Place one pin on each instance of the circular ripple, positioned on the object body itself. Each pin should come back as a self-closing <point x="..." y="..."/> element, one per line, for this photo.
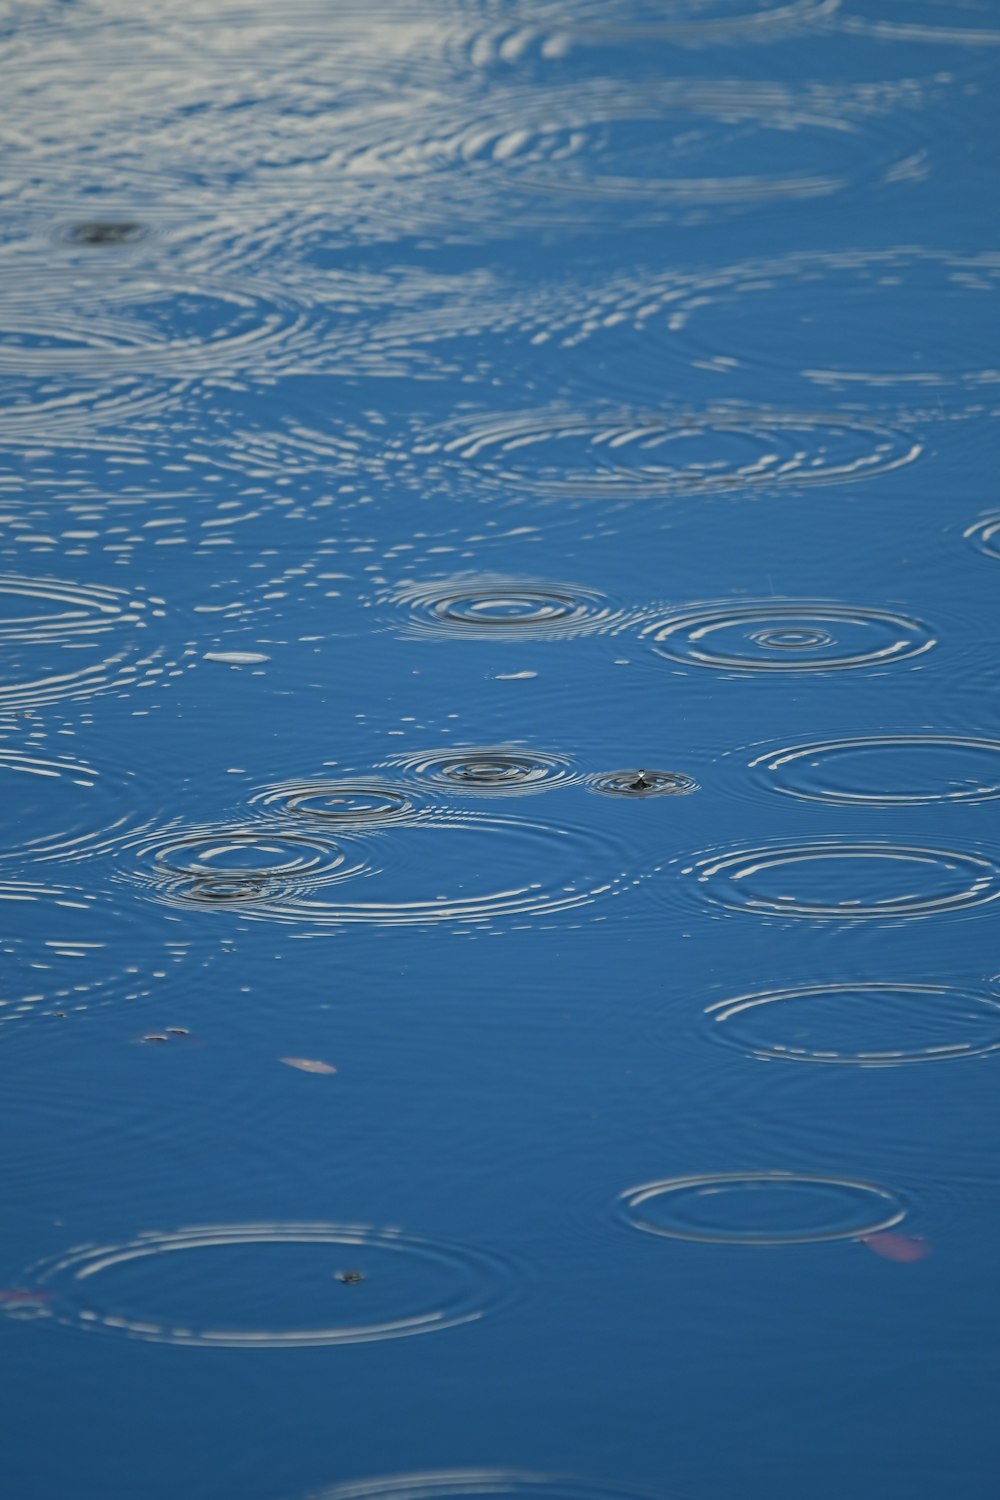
<point x="58" y="806"/>
<point x="941" y="22"/>
<point x="761" y="1208"/>
<point x="862" y="1025"/>
<point x="616" y="456"/>
<point x="985" y="536"/>
<point x="641" y="783"/>
<point x="67" y="950"/>
<point x="225" y="866"/>
<point x="458" y="1484"/>
<point x="410" y="1286"/>
<point x="886" y="770"/>
<point x="490" y="607"/>
<point x="666" y="146"/>
<point x="77" y="321"/>
<point x="846" y="881"/>
<point x="490" y="770"/>
<point x="52" y="409"/>
<point x="786" y="635"/>
<point x="328" y="800"/>
<point x="892" y="320"/>
<point x="64" y="640"/>
<point x="458" y="868"/>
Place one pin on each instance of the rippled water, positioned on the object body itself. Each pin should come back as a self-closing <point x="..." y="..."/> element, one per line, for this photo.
<point x="500" y="749"/>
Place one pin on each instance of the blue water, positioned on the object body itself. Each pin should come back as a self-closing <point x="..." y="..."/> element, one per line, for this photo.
<point x="500" y="740"/>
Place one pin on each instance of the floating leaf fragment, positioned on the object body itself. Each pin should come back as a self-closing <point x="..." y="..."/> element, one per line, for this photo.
<point x="904" y="1248"/>
<point x="308" y="1064"/>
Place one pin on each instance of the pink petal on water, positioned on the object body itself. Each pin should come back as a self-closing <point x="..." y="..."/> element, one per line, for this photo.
<point x="308" y="1064"/>
<point x="904" y="1248"/>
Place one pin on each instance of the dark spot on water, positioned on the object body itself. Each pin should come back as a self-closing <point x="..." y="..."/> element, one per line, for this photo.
<point x="349" y="1278"/>
<point x="642" y="783"/>
<point x="107" y="232"/>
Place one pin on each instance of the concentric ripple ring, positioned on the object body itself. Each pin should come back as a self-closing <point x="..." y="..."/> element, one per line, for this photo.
<point x="744" y="880"/>
<point x="848" y="1208"/>
<point x="785" y="635"/>
<point x="488" y="770"/>
<point x="475" y="1282"/>
<point x="906" y="1023"/>
<point x="336" y="801"/>
<point x="806" y="770"/>
<point x="491" y="607"/>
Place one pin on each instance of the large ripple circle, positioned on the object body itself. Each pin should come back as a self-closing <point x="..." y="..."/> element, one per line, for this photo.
<point x="460" y="868"/>
<point x="201" y="1287"/>
<point x="633" y="454"/>
<point x="864" y="1025"/>
<point x="761" y="1208"/>
<point x="786" y="635"/>
<point x="836" y="879"/>
<point x="896" y="770"/>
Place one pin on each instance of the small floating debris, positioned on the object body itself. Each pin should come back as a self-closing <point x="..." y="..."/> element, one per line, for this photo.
<point x="107" y="232"/>
<point x="902" y="1248"/>
<point x="237" y="658"/>
<point x="308" y="1064"/>
<point x="349" y="1278"/>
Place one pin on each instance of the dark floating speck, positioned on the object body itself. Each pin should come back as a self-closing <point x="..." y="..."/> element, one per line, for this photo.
<point x="107" y="232"/>
<point x="642" y="783"/>
<point x="350" y="1278"/>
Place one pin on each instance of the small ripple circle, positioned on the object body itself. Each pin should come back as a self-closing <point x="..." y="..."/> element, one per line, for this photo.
<point x="330" y="800"/>
<point x="488" y="770"/>
<point x="761" y="1208"/>
<point x="864" y="1025"/>
<point x="985" y="536"/>
<point x="642" y="783"/>
<point x="397" y="1285"/>
<point x="490" y="607"/>
<point x="786" y="635"/>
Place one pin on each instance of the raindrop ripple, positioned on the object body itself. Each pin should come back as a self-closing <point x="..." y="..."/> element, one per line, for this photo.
<point x="720" y="1208"/>
<point x="962" y="769"/>
<point x="464" y="1285"/>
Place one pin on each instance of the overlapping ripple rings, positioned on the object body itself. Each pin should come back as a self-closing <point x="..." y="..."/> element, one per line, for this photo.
<point x="69" y="640"/>
<point x="328" y="799"/>
<point x="239" y="865"/>
<point x="786" y="635"/>
<point x="457" y="1484"/>
<point x="837" y="879"/>
<point x="487" y="770"/>
<point x="617" y="455"/>
<point x="896" y="770"/>
<point x="493" y="607"/>
<point x="461" y="868"/>
<point x="144" y="322"/>
<point x="761" y="1208"/>
<point x="866" y="1025"/>
<point x="158" y="1282"/>
<point x="653" y="149"/>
